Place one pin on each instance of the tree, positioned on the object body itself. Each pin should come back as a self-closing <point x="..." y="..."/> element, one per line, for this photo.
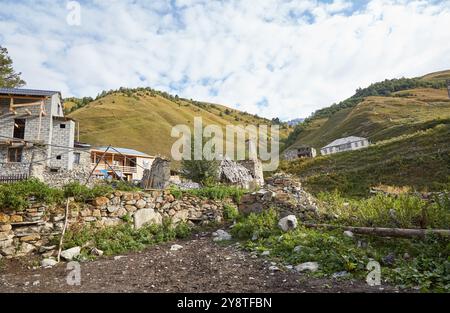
<point x="200" y="171"/>
<point x="8" y="77"/>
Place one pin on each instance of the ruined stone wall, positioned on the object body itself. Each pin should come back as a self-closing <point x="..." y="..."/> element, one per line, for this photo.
<point x="34" y="229"/>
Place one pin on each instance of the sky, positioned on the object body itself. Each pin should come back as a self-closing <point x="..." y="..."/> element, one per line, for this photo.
<point x="274" y="58"/>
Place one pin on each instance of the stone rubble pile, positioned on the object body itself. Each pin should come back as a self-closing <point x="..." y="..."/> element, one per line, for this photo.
<point x="285" y="194"/>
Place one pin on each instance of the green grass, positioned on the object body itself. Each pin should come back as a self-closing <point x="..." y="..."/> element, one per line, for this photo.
<point x="427" y="265"/>
<point x="420" y="160"/>
<point x="123" y="238"/>
<point x="17" y="196"/>
<point x="219" y="192"/>
<point x="400" y="211"/>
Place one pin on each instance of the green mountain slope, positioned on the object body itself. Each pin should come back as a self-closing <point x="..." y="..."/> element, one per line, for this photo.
<point x="383" y="110"/>
<point x="142" y="119"/>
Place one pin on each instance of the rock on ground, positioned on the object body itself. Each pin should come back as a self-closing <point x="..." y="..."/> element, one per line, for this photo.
<point x="71" y="253"/>
<point x="221" y="235"/>
<point x="307" y="266"/>
<point x="287" y="223"/>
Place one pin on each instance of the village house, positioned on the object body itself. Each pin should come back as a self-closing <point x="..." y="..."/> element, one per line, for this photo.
<point x="300" y="152"/>
<point x="120" y="163"/>
<point x="345" y="144"/>
<point x="36" y="139"/>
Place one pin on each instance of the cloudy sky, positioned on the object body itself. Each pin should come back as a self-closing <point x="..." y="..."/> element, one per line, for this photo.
<point x="282" y="58"/>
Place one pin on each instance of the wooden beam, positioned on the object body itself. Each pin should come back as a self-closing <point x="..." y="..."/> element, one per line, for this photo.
<point x="22" y="97"/>
<point x="26" y="105"/>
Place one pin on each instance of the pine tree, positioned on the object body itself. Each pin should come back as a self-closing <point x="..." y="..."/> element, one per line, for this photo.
<point x="8" y="77"/>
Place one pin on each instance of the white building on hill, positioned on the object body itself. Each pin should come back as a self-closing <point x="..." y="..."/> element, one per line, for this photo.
<point x="345" y="144"/>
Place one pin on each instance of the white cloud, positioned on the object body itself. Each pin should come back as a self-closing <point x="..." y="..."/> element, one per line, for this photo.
<point x="298" y="55"/>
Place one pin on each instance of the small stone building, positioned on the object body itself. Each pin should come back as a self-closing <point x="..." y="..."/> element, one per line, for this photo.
<point x="36" y="139"/>
<point x="300" y="152"/>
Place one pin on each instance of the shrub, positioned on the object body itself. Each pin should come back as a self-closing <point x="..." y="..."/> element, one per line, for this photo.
<point x="260" y="225"/>
<point x="83" y="193"/>
<point x="16" y="196"/>
<point x="230" y="212"/>
<point x="219" y="192"/>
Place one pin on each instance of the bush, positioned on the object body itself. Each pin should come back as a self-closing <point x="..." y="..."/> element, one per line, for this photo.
<point x="260" y="225"/>
<point x="220" y="192"/>
<point x="16" y="196"/>
<point x="230" y="213"/>
<point x="83" y="193"/>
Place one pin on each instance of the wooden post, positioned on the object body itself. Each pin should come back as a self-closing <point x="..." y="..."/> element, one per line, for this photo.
<point x="40" y="120"/>
<point x="64" y="230"/>
<point x="96" y="164"/>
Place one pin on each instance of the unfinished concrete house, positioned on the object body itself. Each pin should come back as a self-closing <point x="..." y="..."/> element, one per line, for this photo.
<point x="299" y="152"/>
<point x="36" y="139"/>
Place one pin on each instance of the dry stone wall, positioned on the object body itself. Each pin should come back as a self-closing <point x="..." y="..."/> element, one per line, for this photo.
<point x="32" y="230"/>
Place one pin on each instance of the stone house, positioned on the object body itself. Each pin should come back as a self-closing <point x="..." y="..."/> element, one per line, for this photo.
<point x="36" y="139"/>
<point x="299" y="152"/>
<point x="345" y="144"/>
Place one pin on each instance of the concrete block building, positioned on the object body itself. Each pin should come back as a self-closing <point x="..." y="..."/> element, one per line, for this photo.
<point x="35" y="132"/>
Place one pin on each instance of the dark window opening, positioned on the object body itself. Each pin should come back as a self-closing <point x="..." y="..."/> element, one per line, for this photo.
<point x="58" y="157"/>
<point x="62" y="125"/>
<point x="19" y="129"/>
<point x="15" y="155"/>
<point x="54" y="170"/>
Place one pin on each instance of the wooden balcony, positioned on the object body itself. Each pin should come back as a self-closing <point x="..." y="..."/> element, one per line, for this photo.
<point x="117" y="168"/>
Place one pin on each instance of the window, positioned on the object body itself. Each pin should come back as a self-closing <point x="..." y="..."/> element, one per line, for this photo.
<point x="15" y="155"/>
<point x="62" y="125"/>
<point x="76" y="158"/>
<point x="356" y="144"/>
<point x="19" y="129"/>
<point x="58" y="157"/>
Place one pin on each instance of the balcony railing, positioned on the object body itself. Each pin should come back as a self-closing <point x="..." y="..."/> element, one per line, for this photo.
<point x="117" y="168"/>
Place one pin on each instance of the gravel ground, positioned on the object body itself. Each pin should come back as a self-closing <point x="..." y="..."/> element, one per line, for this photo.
<point x="201" y="266"/>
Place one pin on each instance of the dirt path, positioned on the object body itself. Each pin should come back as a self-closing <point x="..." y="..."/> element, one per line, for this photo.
<point x="201" y="266"/>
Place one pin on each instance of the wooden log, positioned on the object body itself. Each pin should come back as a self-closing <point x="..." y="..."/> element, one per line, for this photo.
<point x="385" y="232"/>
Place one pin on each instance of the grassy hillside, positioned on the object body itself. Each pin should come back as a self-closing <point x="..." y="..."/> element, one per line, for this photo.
<point x="381" y="111"/>
<point x="420" y="160"/>
<point x="142" y="119"/>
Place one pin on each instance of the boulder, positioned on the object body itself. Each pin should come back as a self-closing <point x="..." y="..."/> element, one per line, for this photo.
<point x="307" y="266"/>
<point x="287" y="223"/>
<point x="146" y="216"/>
<point x="5" y="228"/>
<point x="32" y="237"/>
<point x="16" y="219"/>
<point x="221" y="235"/>
<point x="71" y="253"/>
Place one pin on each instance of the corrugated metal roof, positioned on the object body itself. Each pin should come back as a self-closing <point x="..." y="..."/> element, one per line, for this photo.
<point x="27" y="92"/>
<point x="125" y="151"/>
<point x="342" y="141"/>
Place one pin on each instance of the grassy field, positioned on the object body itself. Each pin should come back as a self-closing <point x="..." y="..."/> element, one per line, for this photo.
<point x="420" y="160"/>
<point x="143" y="121"/>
